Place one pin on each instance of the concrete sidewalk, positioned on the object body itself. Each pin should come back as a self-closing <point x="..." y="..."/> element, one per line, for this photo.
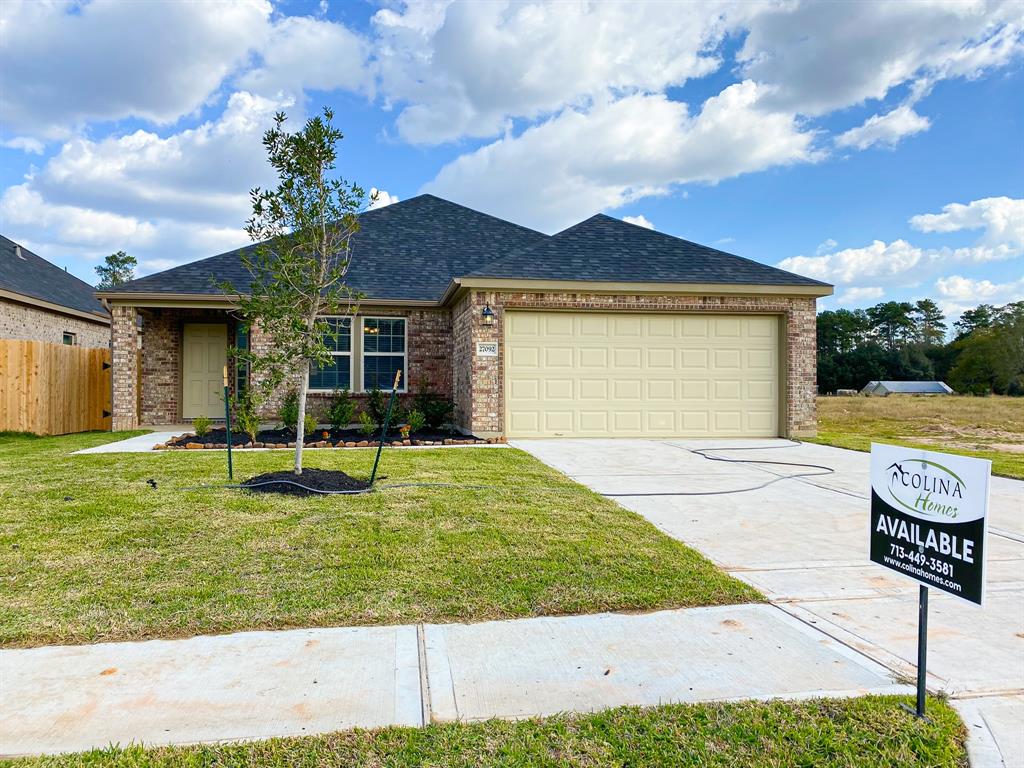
<point x="255" y="685"/>
<point x="802" y="541"/>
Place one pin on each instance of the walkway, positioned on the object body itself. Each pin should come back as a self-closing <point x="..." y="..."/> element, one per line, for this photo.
<point x="254" y="685"/>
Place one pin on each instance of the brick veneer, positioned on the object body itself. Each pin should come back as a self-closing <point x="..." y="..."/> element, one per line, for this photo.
<point x="428" y="359"/>
<point x="479" y="389"/>
<point x="23" y="321"/>
<point x="124" y="334"/>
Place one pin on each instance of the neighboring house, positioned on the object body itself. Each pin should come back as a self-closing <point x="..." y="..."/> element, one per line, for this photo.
<point x="40" y="301"/>
<point x="884" y="388"/>
<point x="604" y="329"/>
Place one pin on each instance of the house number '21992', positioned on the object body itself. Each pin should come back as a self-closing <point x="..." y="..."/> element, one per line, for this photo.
<point x="487" y="349"/>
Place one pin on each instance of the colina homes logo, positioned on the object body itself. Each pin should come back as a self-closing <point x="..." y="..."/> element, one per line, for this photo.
<point x="926" y="488"/>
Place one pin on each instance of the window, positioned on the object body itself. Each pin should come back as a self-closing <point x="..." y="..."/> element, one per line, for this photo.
<point x="338" y="373"/>
<point x="71" y="339"/>
<point x="383" y="352"/>
<point x="241" y="366"/>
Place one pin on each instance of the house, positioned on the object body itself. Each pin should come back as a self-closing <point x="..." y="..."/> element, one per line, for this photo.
<point x="40" y="301"/>
<point x="885" y="388"/>
<point x="604" y="329"/>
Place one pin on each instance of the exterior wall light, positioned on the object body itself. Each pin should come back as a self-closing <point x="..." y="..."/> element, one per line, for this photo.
<point x="487" y="314"/>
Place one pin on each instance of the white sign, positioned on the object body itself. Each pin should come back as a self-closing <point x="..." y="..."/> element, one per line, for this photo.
<point x="928" y="517"/>
<point x="487" y="349"/>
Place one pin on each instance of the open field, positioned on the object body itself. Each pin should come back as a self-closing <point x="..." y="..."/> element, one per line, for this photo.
<point x="986" y="427"/>
<point x="868" y="732"/>
<point x="90" y="552"/>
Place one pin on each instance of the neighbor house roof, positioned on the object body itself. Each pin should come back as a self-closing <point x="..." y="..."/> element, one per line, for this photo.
<point x="415" y="249"/>
<point x="606" y="249"/>
<point x="910" y="387"/>
<point x="28" y="277"/>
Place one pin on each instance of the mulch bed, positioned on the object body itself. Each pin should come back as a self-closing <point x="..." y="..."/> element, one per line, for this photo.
<point x="306" y="484"/>
<point x="333" y="438"/>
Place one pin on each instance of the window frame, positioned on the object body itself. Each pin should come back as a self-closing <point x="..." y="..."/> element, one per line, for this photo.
<point x="351" y="355"/>
<point x="363" y="354"/>
<point x="65" y="335"/>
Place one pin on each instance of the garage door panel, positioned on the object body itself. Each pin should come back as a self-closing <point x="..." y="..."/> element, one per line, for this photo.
<point x="635" y="375"/>
<point x="593" y="389"/>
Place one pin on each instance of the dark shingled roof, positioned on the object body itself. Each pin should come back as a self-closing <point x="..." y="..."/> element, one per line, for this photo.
<point x="413" y="249"/>
<point x="606" y="249"/>
<point x="32" y="275"/>
<point x="407" y="250"/>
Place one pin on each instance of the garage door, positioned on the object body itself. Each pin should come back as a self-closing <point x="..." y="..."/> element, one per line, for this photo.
<point x="641" y="375"/>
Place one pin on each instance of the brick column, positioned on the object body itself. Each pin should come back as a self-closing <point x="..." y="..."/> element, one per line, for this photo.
<point x="124" y="335"/>
<point x="802" y="369"/>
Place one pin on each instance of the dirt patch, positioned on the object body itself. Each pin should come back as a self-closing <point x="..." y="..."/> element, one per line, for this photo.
<point x="312" y="482"/>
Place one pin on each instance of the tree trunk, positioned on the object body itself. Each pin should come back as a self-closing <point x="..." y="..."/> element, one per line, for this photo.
<point x="300" y="426"/>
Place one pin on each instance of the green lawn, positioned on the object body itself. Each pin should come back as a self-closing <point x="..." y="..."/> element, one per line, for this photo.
<point x="987" y="427"/>
<point x="826" y="733"/>
<point x="89" y="552"/>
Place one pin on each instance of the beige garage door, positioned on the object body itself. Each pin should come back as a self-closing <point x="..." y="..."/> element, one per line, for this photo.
<point x="632" y="375"/>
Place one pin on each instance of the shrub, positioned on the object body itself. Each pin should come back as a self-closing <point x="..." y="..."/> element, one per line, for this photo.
<point x="377" y="406"/>
<point x="341" y="410"/>
<point x="290" y="410"/>
<point x="309" y="425"/>
<point x="366" y="425"/>
<point x="201" y="425"/>
<point x="247" y="408"/>
<point x="437" y="411"/>
<point x="416" y="420"/>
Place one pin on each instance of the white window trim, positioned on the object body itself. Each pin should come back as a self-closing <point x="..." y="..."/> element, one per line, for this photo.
<point x="363" y="354"/>
<point x="351" y="355"/>
<point x="74" y="338"/>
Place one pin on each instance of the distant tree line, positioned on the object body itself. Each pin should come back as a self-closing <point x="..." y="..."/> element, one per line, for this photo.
<point x="903" y="341"/>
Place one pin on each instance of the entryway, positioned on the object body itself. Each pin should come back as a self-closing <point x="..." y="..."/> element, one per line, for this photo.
<point x="204" y="355"/>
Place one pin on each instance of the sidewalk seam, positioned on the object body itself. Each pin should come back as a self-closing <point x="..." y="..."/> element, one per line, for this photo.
<point x="421" y="648"/>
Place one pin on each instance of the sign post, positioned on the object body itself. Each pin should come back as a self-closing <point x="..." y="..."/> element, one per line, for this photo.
<point x="929" y="516"/>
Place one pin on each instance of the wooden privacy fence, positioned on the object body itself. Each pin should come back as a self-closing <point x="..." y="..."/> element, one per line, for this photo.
<point x="53" y="389"/>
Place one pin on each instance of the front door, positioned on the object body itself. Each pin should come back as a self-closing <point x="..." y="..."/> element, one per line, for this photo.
<point x="204" y="355"/>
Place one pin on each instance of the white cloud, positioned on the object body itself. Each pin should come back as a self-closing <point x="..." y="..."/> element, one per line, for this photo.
<point x="466" y="69"/>
<point x="66" y="63"/>
<point x="25" y="144"/>
<point x="1002" y="218"/>
<point x="906" y="264"/>
<point x="826" y="56"/>
<point x="304" y="53"/>
<point x="825" y="246"/>
<point x="859" y="296"/>
<point x="379" y="198"/>
<point x="957" y="293"/>
<point x="887" y="129"/>
<point x="580" y="162"/>
<point x="167" y="200"/>
<point x="964" y="289"/>
<point x="640" y="221"/>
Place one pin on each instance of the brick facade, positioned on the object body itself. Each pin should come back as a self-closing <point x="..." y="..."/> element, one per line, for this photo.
<point x="479" y="391"/>
<point x="158" y="364"/>
<point x="24" y="321"/>
<point x="441" y="353"/>
<point x="124" y="333"/>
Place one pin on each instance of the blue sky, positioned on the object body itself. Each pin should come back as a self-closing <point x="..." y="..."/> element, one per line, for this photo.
<point x="873" y="145"/>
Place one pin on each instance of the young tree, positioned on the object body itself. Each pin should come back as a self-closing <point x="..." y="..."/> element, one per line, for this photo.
<point x="303" y="230"/>
<point x="931" y="326"/>
<point x="117" y="269"/>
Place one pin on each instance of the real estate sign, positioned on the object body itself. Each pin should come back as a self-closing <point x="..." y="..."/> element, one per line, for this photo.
<point x="928" y="518"/>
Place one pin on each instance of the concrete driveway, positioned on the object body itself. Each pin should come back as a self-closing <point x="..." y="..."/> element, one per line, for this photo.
<point x="803" y="541"/>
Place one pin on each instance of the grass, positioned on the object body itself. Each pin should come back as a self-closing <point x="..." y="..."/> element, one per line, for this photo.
<point x="827" y="733"/>
<point x="90" y="552"/>
<point x="987" y="427"/>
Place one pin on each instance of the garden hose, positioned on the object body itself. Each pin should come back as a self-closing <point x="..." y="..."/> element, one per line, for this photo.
<point x="702" y="452"/>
